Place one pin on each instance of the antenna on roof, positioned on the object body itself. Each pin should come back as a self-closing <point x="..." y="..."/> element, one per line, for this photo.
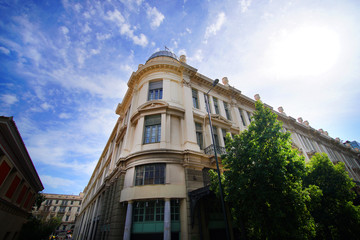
<point x="166" y="48"/>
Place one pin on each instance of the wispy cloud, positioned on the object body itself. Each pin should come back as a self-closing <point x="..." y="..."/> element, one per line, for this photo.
<point x="4" y="50"/>
<point x="56" y="182"/>
<point x="215" y="27"/>
<point x="154" y="15"/>
<point x="125" y="28"/>
<point x="9" y="99"/>
<point x="245" y="4"/>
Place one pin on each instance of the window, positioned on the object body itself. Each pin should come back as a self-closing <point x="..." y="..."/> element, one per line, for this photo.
<point x="72" y="202"/>
<point x="195" y="98"/>
<point x="69" y="209"/>
<point x="155" y="90"/>
<point x="57" y="201"/>
<point x="249" y="116"/>
<point x="78" y="209"/>
<point x="224" y="134"/>
<point x="4" y="170"/>
<point x="175" y="210"/>
<point x="216" y="137"/>
<point x="227" y="110"/>
<point x="199" y="135"/>
<point x="242" y="117"/>
<point x="13" y="187"/>
<point x="152" y="132"/>
<point x="64" y="202"/>
<point x="150" y="174"/>
<point x="67" y="218"/>
<point x="150" y="211"/>
<point x="62" y="210"/>
<point x="216" y="105"/>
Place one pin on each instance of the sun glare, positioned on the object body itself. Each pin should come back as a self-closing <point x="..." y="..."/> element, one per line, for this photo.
<point x="305" y="51"/>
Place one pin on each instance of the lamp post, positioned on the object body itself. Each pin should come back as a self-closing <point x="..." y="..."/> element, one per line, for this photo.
<point x="216" y="160"/>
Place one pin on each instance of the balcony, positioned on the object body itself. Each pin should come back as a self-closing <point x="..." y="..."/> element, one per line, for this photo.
<point x="209" y="150"/>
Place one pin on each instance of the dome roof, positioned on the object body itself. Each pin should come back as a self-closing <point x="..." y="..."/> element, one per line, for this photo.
<point x="163" y="53"/>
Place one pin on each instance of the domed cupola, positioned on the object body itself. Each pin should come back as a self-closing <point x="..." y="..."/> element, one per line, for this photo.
<point x="163" y="53"/>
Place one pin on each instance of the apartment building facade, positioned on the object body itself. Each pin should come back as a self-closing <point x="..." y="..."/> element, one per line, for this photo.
<point x="151" y="181"/>
<point x="65" y="207"/>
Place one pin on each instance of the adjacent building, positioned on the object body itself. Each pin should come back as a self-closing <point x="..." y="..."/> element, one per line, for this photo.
<point x="19" y="181"/>
<point x="65" y="207"/>
<point x="151" y="180"/>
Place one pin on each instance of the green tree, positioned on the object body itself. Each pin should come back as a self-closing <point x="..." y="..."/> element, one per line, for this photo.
<point x="336" y="217"/>
<point x="36" y="229"/>
<point x="263" y="181"/>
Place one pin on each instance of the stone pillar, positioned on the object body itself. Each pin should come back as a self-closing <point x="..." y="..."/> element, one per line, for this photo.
<point x="167" y="220"/>
<point x="127" y="230"/>
<point x="189" y="131"/>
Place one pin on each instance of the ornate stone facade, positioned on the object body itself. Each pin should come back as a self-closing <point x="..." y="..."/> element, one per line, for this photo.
<point x="151" y="179"/>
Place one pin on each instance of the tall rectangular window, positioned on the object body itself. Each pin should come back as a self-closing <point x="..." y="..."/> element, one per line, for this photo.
<point x="227" y="110"/>
<point x="224" y="134"/>
<point x="216" y="105"/>
<point x="242" y="117"/>
<point x="249" y="115"/>
<point x="199" y="135"/>
<point x="152" y="130"/>
<point x="195" y="98"/>
<point x="155" y="90"/>
<point x="150" y="174"/>
<point x="13" y="186"/>
<point x="4" y="170"/>
<point x="216" y="137"/>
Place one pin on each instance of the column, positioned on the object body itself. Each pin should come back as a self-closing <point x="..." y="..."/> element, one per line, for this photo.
<point x="167" y="220"/>
<point x="189" y="131"/>
<point x="128" y="221"/>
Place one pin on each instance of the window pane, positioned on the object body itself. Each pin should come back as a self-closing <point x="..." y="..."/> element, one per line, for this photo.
<point x="150" y="174"/>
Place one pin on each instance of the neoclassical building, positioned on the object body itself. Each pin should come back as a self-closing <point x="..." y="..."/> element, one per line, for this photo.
<point x="151" y="181"/>
<point x="19" y="181"/>
<point x="65" y="207"/>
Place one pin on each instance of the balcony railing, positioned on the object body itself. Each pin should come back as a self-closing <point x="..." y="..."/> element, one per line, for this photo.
<point x="210" y="150"/>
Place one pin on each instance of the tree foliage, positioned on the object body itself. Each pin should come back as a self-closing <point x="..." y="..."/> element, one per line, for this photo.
<point x="36" y="229"/>
<point x="263" y="181"/>
<point x="336" y="217"/>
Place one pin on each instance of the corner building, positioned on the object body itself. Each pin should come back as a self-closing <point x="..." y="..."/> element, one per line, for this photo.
<point x="151" y="181"/>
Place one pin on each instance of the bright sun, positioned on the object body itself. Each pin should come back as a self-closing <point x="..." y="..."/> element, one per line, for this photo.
<point x="306" y="50"/>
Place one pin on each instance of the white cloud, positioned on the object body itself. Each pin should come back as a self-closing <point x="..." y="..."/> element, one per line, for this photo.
<point x="182" y="52"/>
<point x="87" y="28"/>
<point x="125" y="28"/>
<point x="155" y="16"/>
<point x="9" y="99"/>
<point x="197" y="57"/>
<point x="56" y="182"/>
<point x="4" y="50"/>
<point x="64" y="115"/>
<point x="245" y="4"/>
<point x="77" y="7"/>
<point x="215" y="27"/>
<point x="46" y="106"/>
<point x="101" y="37"/>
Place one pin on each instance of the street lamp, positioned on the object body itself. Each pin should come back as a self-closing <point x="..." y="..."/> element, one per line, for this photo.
<point x="216" y="160"/>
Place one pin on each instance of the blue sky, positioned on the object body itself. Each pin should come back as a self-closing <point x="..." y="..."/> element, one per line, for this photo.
<point x="65" y="65"/>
